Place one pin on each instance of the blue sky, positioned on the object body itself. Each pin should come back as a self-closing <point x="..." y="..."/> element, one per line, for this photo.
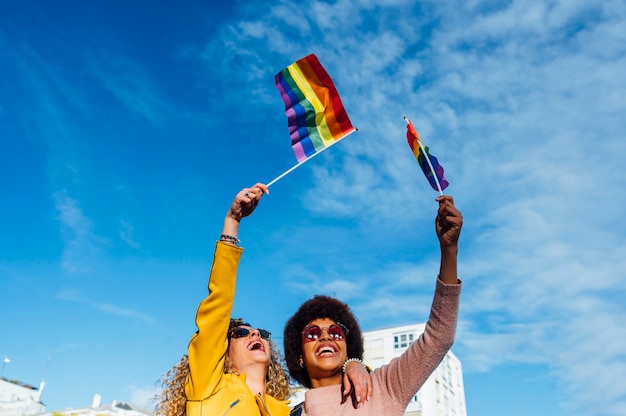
<point x="127" y="127"/>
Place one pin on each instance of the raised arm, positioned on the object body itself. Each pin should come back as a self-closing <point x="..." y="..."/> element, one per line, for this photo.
<point x="448" y="226"/>
<point x="208" y="346"/>
<point x="405" y="375"/>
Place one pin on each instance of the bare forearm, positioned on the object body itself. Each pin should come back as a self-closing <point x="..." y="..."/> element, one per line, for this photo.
<point x="448" y="267"/>
<point x="231" y="226"/>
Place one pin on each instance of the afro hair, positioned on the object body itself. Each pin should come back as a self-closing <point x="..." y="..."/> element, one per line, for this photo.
<point x="318" y="307"/>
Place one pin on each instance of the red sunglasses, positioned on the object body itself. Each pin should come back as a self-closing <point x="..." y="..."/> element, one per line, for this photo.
<point x="336" y="331"/>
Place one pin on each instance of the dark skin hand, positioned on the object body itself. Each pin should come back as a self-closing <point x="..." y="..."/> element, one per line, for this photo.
<point x="448" y="224"/>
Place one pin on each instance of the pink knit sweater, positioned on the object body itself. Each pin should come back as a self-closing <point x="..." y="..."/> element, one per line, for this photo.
<point x="395" y="384"/>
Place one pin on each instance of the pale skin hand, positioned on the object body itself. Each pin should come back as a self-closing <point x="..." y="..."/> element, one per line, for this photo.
<point x="356" y="375"/>
<point x="242" y="206"/>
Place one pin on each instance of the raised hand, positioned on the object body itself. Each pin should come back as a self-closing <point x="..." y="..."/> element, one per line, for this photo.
<point x="244" y="204"/>
<point x="448" y="222"/>
<point x="246" y="201"/>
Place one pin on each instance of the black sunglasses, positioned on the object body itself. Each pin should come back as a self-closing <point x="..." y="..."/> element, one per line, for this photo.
<point x="240" y="332"/>
<point x="336" y="331"/>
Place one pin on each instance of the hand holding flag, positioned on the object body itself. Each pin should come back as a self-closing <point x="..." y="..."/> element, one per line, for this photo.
<point x="429" y="163"/>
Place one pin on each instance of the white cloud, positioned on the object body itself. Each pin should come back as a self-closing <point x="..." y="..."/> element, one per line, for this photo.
<point x="520" y="104"/>
<point x="106" y="307"/>
<point x="144" y="397"/>
<point x="81" y="245"/>
<point x="129" y="84"/>
<point x="127" y="232"/>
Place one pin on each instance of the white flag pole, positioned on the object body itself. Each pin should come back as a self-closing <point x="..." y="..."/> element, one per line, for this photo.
<point x="282" y="175"/>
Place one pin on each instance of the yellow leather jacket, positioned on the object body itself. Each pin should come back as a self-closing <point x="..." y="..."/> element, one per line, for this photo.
<point x="209" y="391"/>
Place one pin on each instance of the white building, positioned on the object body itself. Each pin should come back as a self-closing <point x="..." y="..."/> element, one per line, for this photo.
<point x="443" y="393"/>
<point x="98" y="409"/>
<point x="20" y="399"/>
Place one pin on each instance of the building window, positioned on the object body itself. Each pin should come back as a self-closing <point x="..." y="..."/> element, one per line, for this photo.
<point x="401" y="341"/>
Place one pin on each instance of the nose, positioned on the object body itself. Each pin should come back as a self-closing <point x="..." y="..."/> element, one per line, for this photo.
<point x="254" y="333"/>
<point x="327" y="336"/>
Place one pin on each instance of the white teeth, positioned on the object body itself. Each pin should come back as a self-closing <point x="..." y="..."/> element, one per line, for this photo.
<point x="256" y="346"/>
<point x="326" y="350"/>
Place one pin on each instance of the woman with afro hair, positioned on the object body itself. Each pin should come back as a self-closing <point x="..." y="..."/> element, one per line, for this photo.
<point x="324" y="335"/>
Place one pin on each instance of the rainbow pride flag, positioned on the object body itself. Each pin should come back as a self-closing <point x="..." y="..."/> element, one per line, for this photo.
<point x="315" y="114"/>
<point x="429" y="163"/>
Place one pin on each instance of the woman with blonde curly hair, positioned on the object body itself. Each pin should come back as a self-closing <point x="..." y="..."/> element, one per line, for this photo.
<point x="231" y="368"/>
<point x="173" y="400"/>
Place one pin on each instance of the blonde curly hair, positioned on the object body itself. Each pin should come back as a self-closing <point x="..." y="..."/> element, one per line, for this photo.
<point x="173" y="401"/>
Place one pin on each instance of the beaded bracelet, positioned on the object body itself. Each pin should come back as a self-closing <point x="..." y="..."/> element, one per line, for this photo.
<point x="349" y="360"/>
<point x="230" y="239"/>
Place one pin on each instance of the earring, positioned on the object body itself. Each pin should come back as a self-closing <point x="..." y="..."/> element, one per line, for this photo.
<point x="301" y="363"/>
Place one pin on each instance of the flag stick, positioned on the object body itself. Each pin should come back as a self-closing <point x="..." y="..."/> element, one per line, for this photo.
<point x="431" y="167"/>
<point x="307" y="159"/>
<point x="427" y="160"/>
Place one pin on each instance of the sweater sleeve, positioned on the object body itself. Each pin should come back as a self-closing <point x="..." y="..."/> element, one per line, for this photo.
<point x="405" y="375"/>
<point x="208" y="345"/>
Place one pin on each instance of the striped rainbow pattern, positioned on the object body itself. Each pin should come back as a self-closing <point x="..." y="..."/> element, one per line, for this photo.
<point x="315" y="114"/>
<point x="418" y="151"/>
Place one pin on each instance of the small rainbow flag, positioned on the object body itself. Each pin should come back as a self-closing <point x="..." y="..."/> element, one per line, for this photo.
<point x="315" y="114"/>
<point x="430" y="165"/>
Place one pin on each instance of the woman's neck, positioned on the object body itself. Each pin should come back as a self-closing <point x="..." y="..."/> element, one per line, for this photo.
<point x="327" y="381"/>
<point x="255" y="379"/>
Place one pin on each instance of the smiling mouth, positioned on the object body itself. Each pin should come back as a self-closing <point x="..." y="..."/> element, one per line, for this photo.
<point x="325" y="351"/>
<point x="256" y="345"/>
